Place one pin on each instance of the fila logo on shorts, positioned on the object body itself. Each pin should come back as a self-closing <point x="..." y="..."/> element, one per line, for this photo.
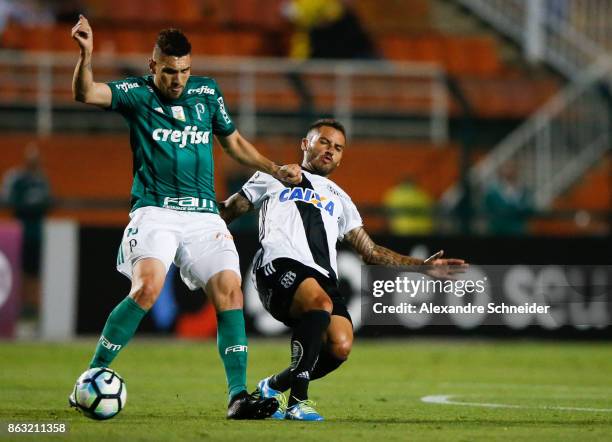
<point x="288" y="279"/>
<point x="236" y="349"/>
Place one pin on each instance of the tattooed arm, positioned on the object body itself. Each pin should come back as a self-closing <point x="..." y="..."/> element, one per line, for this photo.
<point x="372" y="253"/>
<point x="234" y="207"/>
<point x="84" y="89"/>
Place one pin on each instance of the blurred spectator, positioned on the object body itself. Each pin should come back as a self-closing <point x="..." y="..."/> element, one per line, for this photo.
<point x="507" y="203"/>
<point x="28" y="193"/>
<point x="67" y="11"/>
<point x="327" y="29"/>
<point x="410" y="209"/>
<point x="26" y="12"/>
<point x="324" y="29"/>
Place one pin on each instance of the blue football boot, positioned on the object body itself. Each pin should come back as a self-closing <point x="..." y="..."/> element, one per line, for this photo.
<point x="303" y="411"/>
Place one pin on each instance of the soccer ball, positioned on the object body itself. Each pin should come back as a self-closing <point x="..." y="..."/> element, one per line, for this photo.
<point x="100" y="393"/>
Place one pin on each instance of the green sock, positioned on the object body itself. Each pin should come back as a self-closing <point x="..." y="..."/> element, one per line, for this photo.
<point x="232" y="345"/>
<point x="119" y="329"/>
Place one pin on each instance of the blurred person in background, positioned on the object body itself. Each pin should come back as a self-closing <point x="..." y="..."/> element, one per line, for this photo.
<point x="327" y="29"/>
<point x="507" y="203"/>
<point x="324" y="29"/>
<point x="28" y="194"/>
<point x="410" y="209"/>
<point x="65" y="10"/>
<point x="26" y="12"/>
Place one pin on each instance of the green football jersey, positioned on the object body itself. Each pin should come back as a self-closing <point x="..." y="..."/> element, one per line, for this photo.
<point x="172" y="141"/>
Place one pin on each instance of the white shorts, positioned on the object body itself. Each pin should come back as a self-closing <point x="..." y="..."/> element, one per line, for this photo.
<point x="199" y="244"/>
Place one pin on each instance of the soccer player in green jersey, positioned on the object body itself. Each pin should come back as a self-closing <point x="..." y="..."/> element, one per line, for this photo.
<point x="174" y="218"/>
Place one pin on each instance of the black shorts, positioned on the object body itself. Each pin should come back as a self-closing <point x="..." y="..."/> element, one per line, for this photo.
<point x="278" y="281"/>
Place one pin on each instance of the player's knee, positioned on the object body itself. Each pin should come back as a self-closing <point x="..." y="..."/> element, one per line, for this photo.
<point x="320" y="302"/>
<point x="341" y="350"/>
<point x="145" y="293"/>
<point x="224" y="291"/>
<point x="231" y="299"/>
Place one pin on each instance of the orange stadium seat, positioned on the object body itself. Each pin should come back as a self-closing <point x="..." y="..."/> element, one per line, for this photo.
<point x="62" y="41"/>
<point x="428" y="48"/>
<point x="38" y="38"/>
<point x="262" y="14"/>
<point x="487" y="62"/>
<point x="459" y="55"/>
<point x="238" y="43"/>
<point x="129" y="41"/>
<point x="120" y="10"/>
<point x="394" y="16"/>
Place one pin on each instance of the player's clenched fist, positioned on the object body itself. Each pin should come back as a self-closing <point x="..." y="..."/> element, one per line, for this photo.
<point x="82" y="33"/>
<point x="290" y="173"/>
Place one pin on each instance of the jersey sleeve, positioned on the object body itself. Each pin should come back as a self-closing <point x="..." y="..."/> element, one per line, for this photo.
<point x="351" y="219"/>
<point x="221" y="122"/>
<point x="123" y="96"/>
<point x="256" y="189"/>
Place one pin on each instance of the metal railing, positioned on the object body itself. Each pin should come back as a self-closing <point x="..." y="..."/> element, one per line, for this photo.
<point x="569" y="35"/>
<point x="271" y="96"/>
<point x="558" y="143"/>
<point x="564" y="138"/>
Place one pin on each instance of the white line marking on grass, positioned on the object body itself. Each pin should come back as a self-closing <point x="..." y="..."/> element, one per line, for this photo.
<point x="445" y="399"/>
<point x="500" y="386"/>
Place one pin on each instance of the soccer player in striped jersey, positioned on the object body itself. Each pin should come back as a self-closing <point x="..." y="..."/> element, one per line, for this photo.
<point x="172" y="117"/>
<point x="295" y="268"/>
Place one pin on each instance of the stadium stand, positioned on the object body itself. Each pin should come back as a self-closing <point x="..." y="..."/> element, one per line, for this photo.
<point x="497" y="88"/>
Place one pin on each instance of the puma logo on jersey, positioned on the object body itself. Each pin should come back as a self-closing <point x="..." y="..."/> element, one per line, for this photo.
<point x="307" y="196"/>
<point x="125" y="86"/>
<point x="190" y="134"/>
<point x="201" y="90"/>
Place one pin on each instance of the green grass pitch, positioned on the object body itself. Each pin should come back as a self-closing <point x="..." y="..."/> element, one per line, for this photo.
<point x="176" y="392"/>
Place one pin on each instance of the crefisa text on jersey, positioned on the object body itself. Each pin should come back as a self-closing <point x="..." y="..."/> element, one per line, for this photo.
<point x="201" y="90"/>
<point x="192" y="133"/>
<point x="126" y="86"/>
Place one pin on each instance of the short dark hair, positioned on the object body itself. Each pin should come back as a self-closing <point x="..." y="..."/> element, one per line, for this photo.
<point x="173" y="42"/>
<point x="330" y="122"/>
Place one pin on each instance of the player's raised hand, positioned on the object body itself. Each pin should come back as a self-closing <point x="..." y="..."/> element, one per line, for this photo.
<point x="444" y="268"/>
<point x="290" y="173"/>
<point x="83" y="34"/>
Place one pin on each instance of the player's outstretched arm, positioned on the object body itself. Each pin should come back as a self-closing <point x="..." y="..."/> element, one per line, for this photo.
<point x="84" y="89"/>
<point x="245" y="153"/>
<point x="373" y="254"/>
<point x="234" y="207"/>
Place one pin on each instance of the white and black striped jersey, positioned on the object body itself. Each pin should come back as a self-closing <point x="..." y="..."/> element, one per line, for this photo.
<point x="302" y="222"/>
